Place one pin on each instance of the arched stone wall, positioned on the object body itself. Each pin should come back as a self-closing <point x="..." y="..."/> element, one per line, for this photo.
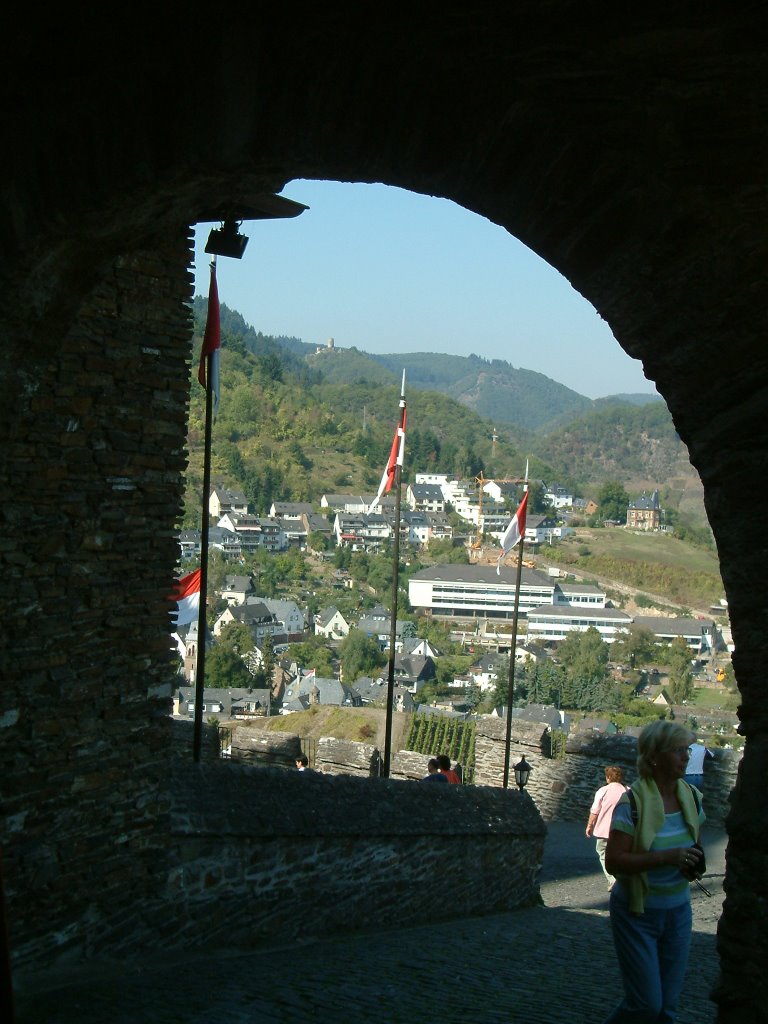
<point x="626" y="148"/>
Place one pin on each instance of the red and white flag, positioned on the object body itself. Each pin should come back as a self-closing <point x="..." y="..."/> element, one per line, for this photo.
<point x="187" y="594"/>
<point x="211" y="342"/>
<point x="514" y="532"/>
<point x="396" y="455"/>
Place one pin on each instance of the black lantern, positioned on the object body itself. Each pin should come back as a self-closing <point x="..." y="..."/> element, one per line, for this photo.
<point x="522" y="771"/>
<point x="227" y="240"/>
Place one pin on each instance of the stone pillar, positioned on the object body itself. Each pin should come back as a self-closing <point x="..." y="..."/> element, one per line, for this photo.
<point x="92" y="467"/>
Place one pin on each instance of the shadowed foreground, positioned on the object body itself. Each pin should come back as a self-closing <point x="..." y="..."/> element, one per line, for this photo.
<point x="552" y="963"/>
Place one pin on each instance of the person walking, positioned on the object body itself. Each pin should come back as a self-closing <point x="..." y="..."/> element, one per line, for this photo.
<point x="601" y="812"/>
<point x="652" y="854"/>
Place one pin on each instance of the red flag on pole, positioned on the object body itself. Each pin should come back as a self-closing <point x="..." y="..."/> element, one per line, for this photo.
<point x="211" y="341"/>
<point x="396" y="455"/>
<point x="187" y="593"/>
<point x="514" y="532"/>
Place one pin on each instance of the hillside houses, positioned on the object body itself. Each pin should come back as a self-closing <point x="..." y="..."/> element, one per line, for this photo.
<point x="377" y="625"/>
<point x="289" y="616"/>
<point x="477" y="596"/>
<point x="413" y="671"/>
<point x="223" y="500"/>
<point x="373" y="693"/>
<point x="233" y="703"/>
<point x="425" y="498"/>
<point x="255" y="615"/>
<point x="331" y="624"/>
<point x="307" y="690"/>
<point x="355" y="504"/>
<point x="559" y="497"/>
<point x="644" y="513"/>
<point x="362" y="532"/>
<point x="254" y="532"/>
<point x="236" y="589"/>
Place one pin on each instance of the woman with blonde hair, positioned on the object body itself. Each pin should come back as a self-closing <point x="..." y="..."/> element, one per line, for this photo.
<point x="651" y="852"/>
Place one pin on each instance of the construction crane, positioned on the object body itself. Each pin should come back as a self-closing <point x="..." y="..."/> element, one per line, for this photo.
<point x="481" y="481"/>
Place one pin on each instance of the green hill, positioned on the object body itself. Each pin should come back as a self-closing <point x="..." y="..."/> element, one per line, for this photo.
<point x="285" y="431"/>
<point x="635" y="444"/>
<point x="494" y="389"/>
<point x="296" y="422"/>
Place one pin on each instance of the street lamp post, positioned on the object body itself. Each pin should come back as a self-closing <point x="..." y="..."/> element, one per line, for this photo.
<point x="522" y="773"/>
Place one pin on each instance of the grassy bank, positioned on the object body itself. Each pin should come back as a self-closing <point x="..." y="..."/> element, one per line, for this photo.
<point x="654" y="563"/>
<point x="365" y="725"/>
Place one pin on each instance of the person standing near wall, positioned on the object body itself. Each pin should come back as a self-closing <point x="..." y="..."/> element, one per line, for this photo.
<point x="697" y="755"/>
<point x="601" y="812"/>
<point x="444" y="764"/>
<point x="651" y="852"/>
<point x="433" y="773"/>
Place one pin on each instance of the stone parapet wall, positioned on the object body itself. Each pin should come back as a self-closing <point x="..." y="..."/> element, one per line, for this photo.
<point x="347" y="757"/>
<point x="563" y="788"/>
<point x="255" y="746"/>
<point x="182" y="740"/>
<point x="408" y="764"/>
<point x="307" y="854"/>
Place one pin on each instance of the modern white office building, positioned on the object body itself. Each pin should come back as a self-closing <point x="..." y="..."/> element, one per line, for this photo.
<point x="477" y="591"/>
<point x="555" y="622"/>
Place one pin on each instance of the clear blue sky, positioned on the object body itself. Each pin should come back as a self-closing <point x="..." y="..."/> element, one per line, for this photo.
<point x="388" y="270"/>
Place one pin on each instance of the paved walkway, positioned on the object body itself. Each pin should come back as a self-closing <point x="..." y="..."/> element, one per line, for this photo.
<point x="552" y="963"/>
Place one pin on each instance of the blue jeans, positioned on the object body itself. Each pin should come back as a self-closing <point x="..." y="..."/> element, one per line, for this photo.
<point x="652" y="950"/>
<point x="695" y="780"/>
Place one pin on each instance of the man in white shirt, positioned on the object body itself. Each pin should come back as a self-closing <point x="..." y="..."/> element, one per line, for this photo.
<point x="694" y="773"/>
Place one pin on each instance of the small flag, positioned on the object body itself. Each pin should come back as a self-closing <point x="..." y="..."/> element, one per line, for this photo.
<point x="187" y="593"/>
<point x="311" y="674"/>
<point x="514" y="532"/>
<point x="211" y="341"/>
<point x="396" y="454"/>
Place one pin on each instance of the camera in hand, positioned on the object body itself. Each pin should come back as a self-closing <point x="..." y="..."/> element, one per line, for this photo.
<point x="701" y="867"/>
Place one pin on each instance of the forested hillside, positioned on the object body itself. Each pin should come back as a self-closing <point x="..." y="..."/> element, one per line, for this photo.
<point x="637" y="445"/>
<point x="284" y="432"/>
<point x="494" y="389"/>
<point x="290" y="426"/>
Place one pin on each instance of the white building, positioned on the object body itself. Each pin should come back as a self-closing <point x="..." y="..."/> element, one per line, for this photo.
<point x="477" y="591"/>
<point x="253" y="532"/>
<point x="557" y="621"/>
<point x="579" y="595"/>
<point x="559" y="497"/>
<point x="223" y="500"/>
<point x="287" y="614"/>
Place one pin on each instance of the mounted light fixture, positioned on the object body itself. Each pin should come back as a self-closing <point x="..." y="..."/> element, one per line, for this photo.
<point x="522" y="773"/>
<point x="227" y="240"/>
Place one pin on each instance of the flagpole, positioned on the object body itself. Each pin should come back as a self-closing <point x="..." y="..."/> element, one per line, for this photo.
<point x="511" y="687"/>
<point x="201" y="616"/>
<point x="521" y="520"/>
<point x="395" y="585"/>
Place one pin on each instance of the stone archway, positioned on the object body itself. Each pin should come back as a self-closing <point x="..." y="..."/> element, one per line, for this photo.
<point x="627" y="150"/>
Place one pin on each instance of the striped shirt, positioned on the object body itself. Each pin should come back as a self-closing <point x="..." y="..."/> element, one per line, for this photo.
<point x="667" y="887"/>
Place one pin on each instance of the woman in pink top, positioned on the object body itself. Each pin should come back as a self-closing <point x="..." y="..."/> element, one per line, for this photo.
<point x="601" y="812"/>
